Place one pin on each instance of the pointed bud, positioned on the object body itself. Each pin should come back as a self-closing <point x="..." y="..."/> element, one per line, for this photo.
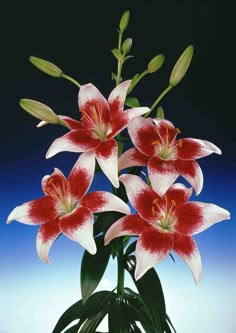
<point x="181" y="66"/>
<point x="124" y="21"/>
<point x="160" y="113"/>
<point x="39" y="111"/>
<point x="46" y="66"/>
<point x="127" y="45"/>
<point x="155" y="63"/>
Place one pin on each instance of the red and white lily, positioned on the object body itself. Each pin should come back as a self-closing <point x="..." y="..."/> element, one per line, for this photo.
<point x="166" y="158"/>
<point x="101" y="121"/>
<point x="163" y="224"/>
<point x="66" y="208"/>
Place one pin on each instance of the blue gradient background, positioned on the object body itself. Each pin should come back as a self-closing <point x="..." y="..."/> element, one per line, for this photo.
<point x="33" y="294"/>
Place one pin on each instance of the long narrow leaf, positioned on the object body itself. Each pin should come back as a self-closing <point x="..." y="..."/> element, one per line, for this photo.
<point x="93" y="268"/>
<point x="71" y="314"/>
<point x="170" y="323"/>
<point x="150" y="289"/>
<point x="73" y="329"/>
<point x="92" y="323"/>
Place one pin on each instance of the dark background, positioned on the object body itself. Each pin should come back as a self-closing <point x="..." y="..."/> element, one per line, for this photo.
<point x="78" y="37"/>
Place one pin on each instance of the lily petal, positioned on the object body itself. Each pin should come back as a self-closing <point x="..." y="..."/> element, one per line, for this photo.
<point x="132" y="157"/>
<point x="81" y="175"/>
<point x="194" y="217"/>
<point x="178" y="193"/>
<point x="192" y="172"/>
<point x="152" y="247"/>
<point x="54" y="182"/>
<point x="162" y="174"/>
<point x="118" y="95"/>
<point x="120" y="120"/>
<point x="194" y="148"/>
<point x="46" y="236"/>
<point x="101" y="201"/>
<point x="42" y="210"/>
<point x="143" y="134"/>
<point x="141" y="196"/>
<point x="71" y="123"/>
<point x="107" y="157"/>
<point x="165" y="129"/>
<point x="131" y="225"/>
<point x="78" y="226"/>
<point x="93" y="103"/>
<point x="76" y="141"/>
<point x="187" y="249"/>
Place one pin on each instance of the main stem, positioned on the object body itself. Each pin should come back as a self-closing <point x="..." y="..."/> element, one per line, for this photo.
<point x="121" y="271"/>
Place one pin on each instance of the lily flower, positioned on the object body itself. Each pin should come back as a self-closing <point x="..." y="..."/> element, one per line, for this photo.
<point x="166" y="158"/>
<point x="163" y="224"/>
<point x="67" y="207"/>
<point x="101" y="121"/>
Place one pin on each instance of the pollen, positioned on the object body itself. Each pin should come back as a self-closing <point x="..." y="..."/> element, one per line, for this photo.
<point x="153" y="211"/>
<point x="154" y="201"/>
<point x="155" y="142"/>
<point x="173" y="202"/>
<point x="178" y="130"/>
<point x="180" y="143"/>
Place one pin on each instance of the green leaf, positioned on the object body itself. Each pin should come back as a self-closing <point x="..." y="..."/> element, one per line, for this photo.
<point x="118" y="316"/>
<point x="93" y="268"/>
<point x="73" y="329"/>
<point x="117" y="54"/>
<point x="134" y="81"/>
<point x="150" y="289"/>
<point x="96" y="303"/>
<point x="72" y="313"/>
<point x="128" y="57"/>
<point x="113" y="76"/>
<point x="131" y="248"/>
<point x="132" y="102"/>
<point x="169" y="322"/>
<point x="105" y="220"/>
<point x="138" y="311"/>
<point x="92" y="323"/>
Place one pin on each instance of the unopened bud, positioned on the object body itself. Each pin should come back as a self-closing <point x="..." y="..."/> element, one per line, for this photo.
<point x="127" y="45"/>
<point x="124" y="21"/>
<point x="155" y="63"/>
<point x="181" y="66"/>
<point x="39" y="111"/>
<point x="46" y="66"/>
<point x="160" y="112"/>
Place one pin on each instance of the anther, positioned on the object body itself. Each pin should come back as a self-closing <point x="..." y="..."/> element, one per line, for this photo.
<point x="178" y="130"/>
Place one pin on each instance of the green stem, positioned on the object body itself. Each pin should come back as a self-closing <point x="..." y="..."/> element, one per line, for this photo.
<point x="169" y="87"/>
<point x="119" y="65"/>
<point x="64" y="76"/>
<point x="138" y="79"/>
<point x="121" y="272"/>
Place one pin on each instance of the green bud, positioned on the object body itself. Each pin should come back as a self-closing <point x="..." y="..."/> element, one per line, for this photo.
<point x="46" y="66"/>
<point x="160" y="112"/>
<point x="39" y="111"/>
<point x="155" y="63"/>
<point x="127" y="45"/>
<point x="181" y="66"/>
<point x="124" y="20"/>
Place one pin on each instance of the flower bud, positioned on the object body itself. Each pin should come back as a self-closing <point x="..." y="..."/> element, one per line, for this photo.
<point x="155" y="63"/>
<point x="46" y="66"/>
<point x="127" y="45"/>
<point x="181" y="66"/>
<point x="39" y="111"/>
<point x="124" y="20"/>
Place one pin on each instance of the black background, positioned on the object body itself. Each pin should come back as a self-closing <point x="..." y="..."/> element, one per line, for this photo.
<point x="78" y="37"/>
